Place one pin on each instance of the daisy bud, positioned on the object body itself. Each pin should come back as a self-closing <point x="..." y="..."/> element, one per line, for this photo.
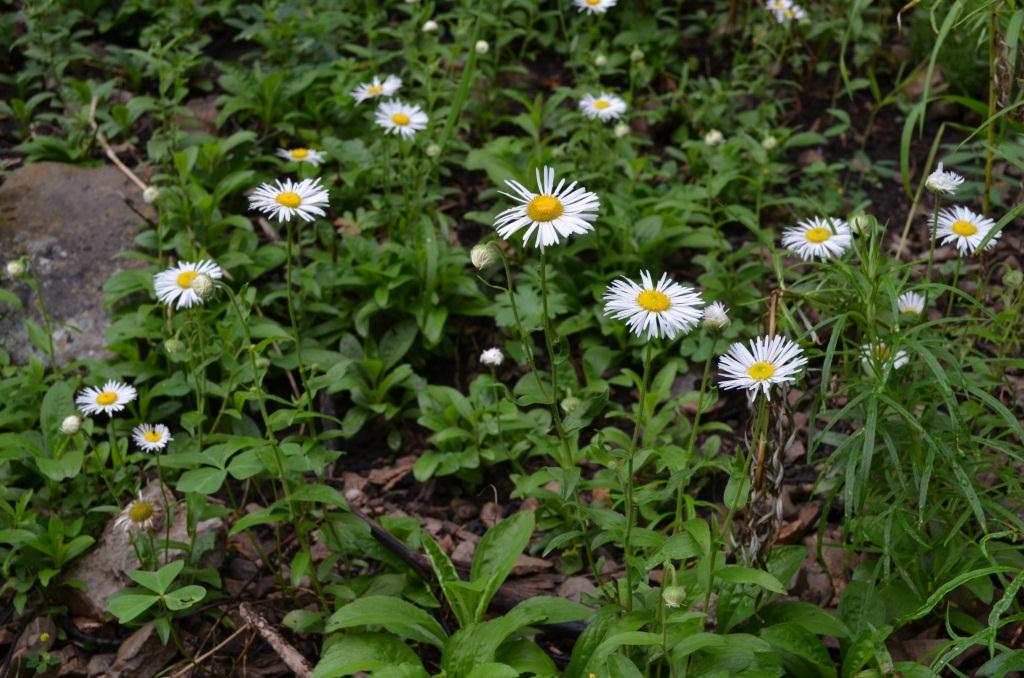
<point x="715" y="316"/>
<point x="1013" y="278"/>
<point x="150" y="195"/>
<point x="570" y="404"/>
<point x="482" y="47"/>
<point x="636" y="55"/>
<point x="673" y="596"/>
<point x="70" y="425"/>
<point x="16" y="268"/>
<point x="262" y="363"/>
<point x="429" y="26"/>
<point x="433" y="150"/>
<point x="483" y="255"/>
<point x="492" y="357"/>
<point x="941" y="181"/>
<point x="174" y="346"/>
<point x="202" y="285"/>
<point x="859" y="222"/>
<point x="600" y="61"/>
<point x="769" y="143"/>
<point x="621" y="130"/>
<point x="714" y="138"/>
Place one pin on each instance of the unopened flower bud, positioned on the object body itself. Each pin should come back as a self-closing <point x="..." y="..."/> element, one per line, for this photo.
<point x="150" y="195"/>
<point x="482" y="47"/>
<point x="429" y="26"/>
<point x="174" y="346"/>
<point x="16" y="268"/>
<point x="202" y="285"/>
<point x="70" y="425"/>
<point x="715" y="316"/>
<point x="483" y="255"/>
<point x="1013" y="278"/>
<point x="769" y="142"/>
<point x="262" y="363"/>
<point x="492" y="357"/>
<point x="636" y="55"/>
<point x="859" y="222"/>
<point x="433" y="150"/>
<point x="714" y="138"/>
<point x="600" y="61"/>
<point x="621" y="130"/>
<point x="570" y="404"/>
<point x="673" y="596"/>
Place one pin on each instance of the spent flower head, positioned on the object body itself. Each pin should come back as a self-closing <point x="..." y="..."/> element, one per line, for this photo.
<point x="138" y="516"/>
<point x="942" y="181"/>
<point x="716" y="316"/>
<point x="492" y="357"/>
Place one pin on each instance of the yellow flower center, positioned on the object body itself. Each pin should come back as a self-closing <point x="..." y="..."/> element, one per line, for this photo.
<point x="818" y="235"/>
<point x="908" y="309"/>
<point x="289" y="199"/>
<point x="653" y="301"/>
<point x="601" y="104"/>
<point x="185" y="279"/>
<point x="964" y="228"/>
<point x="761" y="370"/>
<point x="400" y="119"/>
<point x="140" y="511"/>
<point x="151" y="436"/>
<point x="779" y="4"/>
<point x="544" y="208"/>
<point x="106" y="398"/>
<point x="788" y="13"/>
<point x="374" y="90"/>
<point x="299" y="153"/>
<point x="881" y="352"/>
<point x="593" y="2"/>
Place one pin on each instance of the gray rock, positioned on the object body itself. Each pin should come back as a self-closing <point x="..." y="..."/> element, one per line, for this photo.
<point x="71" y="222"/>
<point x="102" y="571"/>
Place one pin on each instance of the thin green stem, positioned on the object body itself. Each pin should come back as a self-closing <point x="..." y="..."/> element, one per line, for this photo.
<point x="693" y="430"/>
<point x="953" y="289"/>
<point x="549" y="344"/>
<point x="931" y="249"/>
<point x="631" y="453"/>
<point x="168" y="509"/>
<point x="296" y="333"/>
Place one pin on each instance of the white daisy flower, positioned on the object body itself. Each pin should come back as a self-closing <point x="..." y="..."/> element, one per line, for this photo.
<point x="376" y="88"/>
<point x="714" y="138"/>
<point x="151" y="437"/>
<point x="663" y="310"/>
<point x="716" y="316"/>
<point x="555" y="212"/>
<point x="398" y="118"/>
<point x="768" y="361"/>
<point x="307" y="155"/>
<point x="305" y="198"/>
<point x="492" y="357"/>
<point x="785" y="10"/>
<point x="910" y="303"/>
<point x="594" y="6"/>
<point x="817" y="237"/>
<point x="138" y="516"/>
<point x="879" y="355"/>
<point x="941" y="181"/>
<point x="966" y="229"/>
<point x="604" y="106"/>
<point x="111" y="398"/>
<point x="178" y="283"/>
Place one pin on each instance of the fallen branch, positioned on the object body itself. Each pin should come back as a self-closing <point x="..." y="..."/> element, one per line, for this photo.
<point x="288" y="654"/>
<point x="110" y="151"/>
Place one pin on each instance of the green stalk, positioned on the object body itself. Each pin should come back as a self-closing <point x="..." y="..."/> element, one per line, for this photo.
<point x="693" y="431"/>
<point x="463" y="92"/>
<point x="990" y="151"/>
<point x="548" y="334"/>
<point x="168" y="511"/>
<point x="931" y="249"/>
<point x="296" y="334"/>
<point x="638" y="425"/>
<point x="956" y="280"/>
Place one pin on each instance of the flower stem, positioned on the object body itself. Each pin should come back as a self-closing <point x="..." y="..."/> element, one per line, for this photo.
<point x="638" y="425"/>
<point x="296" y="334"/>
<point x="953" y="289"/>
<point x="931" y="249"/>
<point x="548" y="342"/>
<point x="693" y="430"/>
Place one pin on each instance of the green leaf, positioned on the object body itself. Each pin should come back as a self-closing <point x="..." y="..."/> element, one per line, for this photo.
<point x="394" y="614"/>
<point x="68" y="466"/>
<point x="798" y="641"/>
<point x="206" y="480"/>
<point x="810" y="617"/>
<point x="447" y="576"/>
<point x="737" y="574"/>
<point x="493" y="670"/>
<point x="496" y="555"/>
<point x="185" y="597"/>
<point x="161" y="580"/>
<point x="320" y="494"/>
<point x="127" y="606"/>
<point x="354" y="653"/>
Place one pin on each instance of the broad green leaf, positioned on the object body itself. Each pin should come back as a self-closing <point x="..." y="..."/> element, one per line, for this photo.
<point x="496" y="555"/>
<point x="127" y="606"/>
<point x="360" y="652"/>
<point x="737" y="574"/>
<point x="185" y="597"/>
<point x="447" y="576"/>
<point x="394" y="614"/>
